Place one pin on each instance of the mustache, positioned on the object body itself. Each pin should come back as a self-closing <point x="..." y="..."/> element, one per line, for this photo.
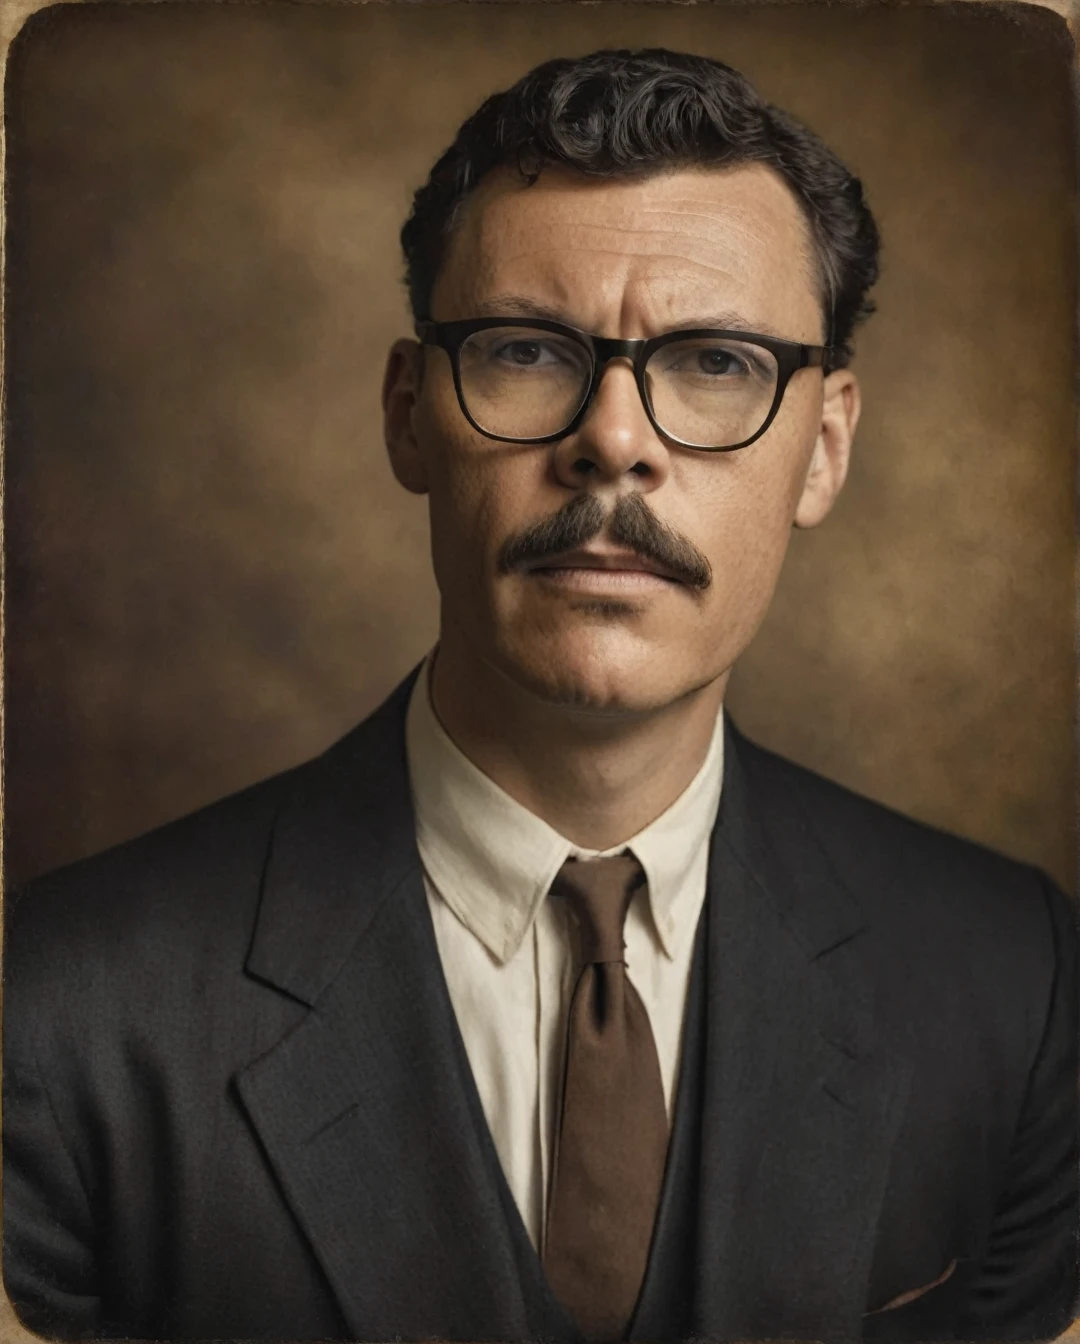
<point x="631" y="524"/>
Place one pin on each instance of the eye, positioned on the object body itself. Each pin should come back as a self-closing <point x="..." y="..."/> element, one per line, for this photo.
<point x="708" y="362"/>
<point x="720" y="361"/>
<point x="526" y="354"/>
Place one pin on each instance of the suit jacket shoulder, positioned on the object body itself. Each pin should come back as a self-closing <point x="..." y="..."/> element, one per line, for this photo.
<point x="905" y="870"/>
<point x="964" y="946"/>
<point x="190" y="886"/>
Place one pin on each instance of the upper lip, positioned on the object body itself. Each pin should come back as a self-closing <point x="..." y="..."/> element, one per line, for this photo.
<point x="589" y="559"/>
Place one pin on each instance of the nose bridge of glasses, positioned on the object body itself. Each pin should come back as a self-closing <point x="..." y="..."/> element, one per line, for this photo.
<point x="608" y="348"/>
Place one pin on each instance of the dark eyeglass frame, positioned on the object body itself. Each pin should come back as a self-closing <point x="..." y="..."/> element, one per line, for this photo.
<point x="790" y="356"/>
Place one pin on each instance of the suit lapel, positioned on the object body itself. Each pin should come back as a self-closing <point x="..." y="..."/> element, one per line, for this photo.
<point x="799" y="1111"/>
<point x="364" y="1109"/>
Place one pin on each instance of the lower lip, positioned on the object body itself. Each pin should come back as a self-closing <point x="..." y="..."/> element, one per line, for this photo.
<point x="605" y="580"/>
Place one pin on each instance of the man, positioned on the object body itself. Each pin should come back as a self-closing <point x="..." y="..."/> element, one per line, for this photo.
<point x="545" y="1005"/>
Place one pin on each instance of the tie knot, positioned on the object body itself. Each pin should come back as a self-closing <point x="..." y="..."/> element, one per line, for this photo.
<point x="599" y="892"/>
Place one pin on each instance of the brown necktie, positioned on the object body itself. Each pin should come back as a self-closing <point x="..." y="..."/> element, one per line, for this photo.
<point x="612" y="1137"/>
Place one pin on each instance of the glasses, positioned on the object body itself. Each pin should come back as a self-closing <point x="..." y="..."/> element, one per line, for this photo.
<point x="533" y="382"/>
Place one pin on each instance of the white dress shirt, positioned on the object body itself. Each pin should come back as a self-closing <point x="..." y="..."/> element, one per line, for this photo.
<point x="507" y="951"/>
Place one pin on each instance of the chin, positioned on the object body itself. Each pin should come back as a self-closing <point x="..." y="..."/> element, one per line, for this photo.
<point x="604" y="674"/>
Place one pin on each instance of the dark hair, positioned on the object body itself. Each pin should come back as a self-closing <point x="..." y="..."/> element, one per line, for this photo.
<point x="635" y="113"/>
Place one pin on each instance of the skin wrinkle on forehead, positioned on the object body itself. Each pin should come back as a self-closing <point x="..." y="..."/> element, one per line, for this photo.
<point x="679" y="316"/>
<point x="662" y="290"/>
<point x="720" y="233"/>
<point x="733" y="228"/>
<point x="654" y="271"/>
<point x="732" y="269"/>
<point x="677" y="288"/>
<point x="652" y="242"/>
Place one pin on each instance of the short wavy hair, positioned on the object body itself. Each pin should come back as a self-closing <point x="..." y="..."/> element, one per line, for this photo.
<point x="622" y="114"/>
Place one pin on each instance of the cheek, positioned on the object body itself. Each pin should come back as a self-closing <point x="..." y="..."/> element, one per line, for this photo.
<point x="473" y="485"/>
<point x="775" y="471"/>
<point x="460" y="510"/>
<point x="746" y="502"/>
<point x="749" y="540"/>
<point x="745" y="514"/>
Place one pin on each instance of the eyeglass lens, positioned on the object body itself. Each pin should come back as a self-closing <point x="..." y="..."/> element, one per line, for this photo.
<point x="521" y="382"/>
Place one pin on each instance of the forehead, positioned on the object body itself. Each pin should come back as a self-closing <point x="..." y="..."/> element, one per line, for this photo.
<point x="637" y="254"/>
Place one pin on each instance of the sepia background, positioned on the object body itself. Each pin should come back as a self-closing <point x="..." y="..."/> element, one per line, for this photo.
<point x="210" y="572"/>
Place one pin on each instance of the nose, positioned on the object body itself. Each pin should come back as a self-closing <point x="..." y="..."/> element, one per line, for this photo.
<point x="615" y="439"/>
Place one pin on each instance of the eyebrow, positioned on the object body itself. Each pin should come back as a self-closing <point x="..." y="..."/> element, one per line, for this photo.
<point x="520" y="305"/>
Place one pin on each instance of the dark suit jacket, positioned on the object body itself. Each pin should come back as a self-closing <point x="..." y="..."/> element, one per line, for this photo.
<point x="236" y="1103"/>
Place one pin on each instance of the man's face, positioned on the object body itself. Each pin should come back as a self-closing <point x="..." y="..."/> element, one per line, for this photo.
<point x="626" y="259"/>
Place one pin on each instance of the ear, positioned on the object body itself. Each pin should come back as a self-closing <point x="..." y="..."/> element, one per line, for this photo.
<point x="832" y="449"/>
<point x="400" y="395"/>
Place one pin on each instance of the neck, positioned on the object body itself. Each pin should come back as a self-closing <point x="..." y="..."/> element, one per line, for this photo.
<point x="596" y="779"/>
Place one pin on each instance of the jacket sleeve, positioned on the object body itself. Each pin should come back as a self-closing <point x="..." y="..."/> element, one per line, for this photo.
<point x="48" y="1241"/>
<point x="1026" y="1284"/>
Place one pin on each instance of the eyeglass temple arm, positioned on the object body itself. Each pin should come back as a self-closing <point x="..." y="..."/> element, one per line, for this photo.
<point x="814" y="356"/>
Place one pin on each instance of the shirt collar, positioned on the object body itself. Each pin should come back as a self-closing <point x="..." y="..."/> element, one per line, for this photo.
<point x="493" y="861"/>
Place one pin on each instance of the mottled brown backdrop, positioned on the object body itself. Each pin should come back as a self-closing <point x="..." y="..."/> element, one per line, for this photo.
<point x="210" y="571"/>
